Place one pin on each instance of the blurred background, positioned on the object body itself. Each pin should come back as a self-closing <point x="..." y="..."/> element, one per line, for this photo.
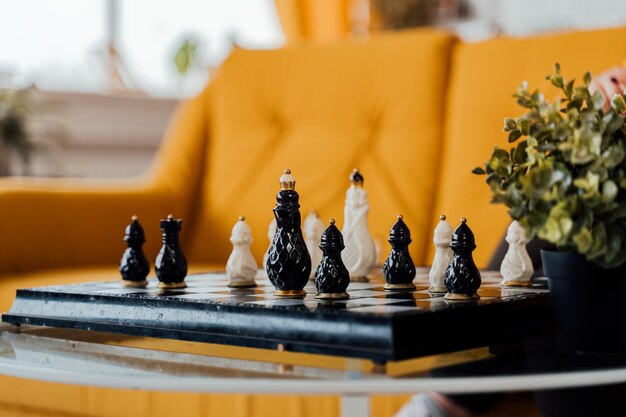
<point x="87" y="86"/>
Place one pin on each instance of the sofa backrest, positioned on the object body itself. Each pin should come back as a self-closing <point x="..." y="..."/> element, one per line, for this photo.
<point x="322" y="111"/>
<point x="482" y="79"/>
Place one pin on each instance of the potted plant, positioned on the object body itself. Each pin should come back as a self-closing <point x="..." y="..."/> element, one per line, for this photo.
<point x="564" y="180"/>
<point x="14" y="135"/>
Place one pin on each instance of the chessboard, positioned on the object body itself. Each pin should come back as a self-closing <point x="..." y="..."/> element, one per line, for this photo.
<point x="373" y="324"/>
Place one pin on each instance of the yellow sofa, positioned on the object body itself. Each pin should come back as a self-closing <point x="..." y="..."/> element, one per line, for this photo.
<point x="415" y="111"/>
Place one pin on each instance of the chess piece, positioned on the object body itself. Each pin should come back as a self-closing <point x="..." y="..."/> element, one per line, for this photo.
<point x="241" y="267"/>
<point x="517" y="267"/>
<point x="134" y="266"/>
<point x="443" y="255"/>
<point x="271" y="231"/>
<point x="399" y="269"/>
<point x="360" y="253"/>
<point x="313" y="229"/>
<point x="288" y="264"/>
<point x="462" y="276"/>
<point x="332" y="276"/>
<point x="170" y="264"/>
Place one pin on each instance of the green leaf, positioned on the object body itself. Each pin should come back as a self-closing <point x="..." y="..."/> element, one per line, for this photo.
<point x="509" y="124"/>
<point x="514" y="135"/>
<point x="587" y="78"/>
<point x="479" y="171"/>
<point x="569" y="89"/>
<point x="618" y="103"/>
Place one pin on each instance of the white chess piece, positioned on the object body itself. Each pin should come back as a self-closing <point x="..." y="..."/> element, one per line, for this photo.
<point x="313" y="229"/>
<point x="517" y="267"/>
<point x="271" y="231"/>
<point x="359" y="256"/>
<point x="443" y="255"/>
<point x="241" y="267"/>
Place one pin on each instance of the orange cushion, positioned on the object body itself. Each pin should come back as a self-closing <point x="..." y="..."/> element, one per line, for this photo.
<point x="322" y="111"/>
<point x="484" y="75"/>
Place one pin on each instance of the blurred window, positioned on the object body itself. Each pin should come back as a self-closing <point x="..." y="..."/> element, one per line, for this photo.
<point x="63" y="44"/>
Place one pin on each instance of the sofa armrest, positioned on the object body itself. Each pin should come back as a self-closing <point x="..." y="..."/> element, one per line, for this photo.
<point x="46" y="223"/>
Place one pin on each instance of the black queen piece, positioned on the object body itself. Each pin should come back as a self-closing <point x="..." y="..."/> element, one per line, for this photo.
<point x="399" y="269"/>
<point x="288" y="262"/>
<point x="462" y="276"/>
<point x="134" y="265"/>
<point x="170" y="264"/>
<point x="332" y="277"/>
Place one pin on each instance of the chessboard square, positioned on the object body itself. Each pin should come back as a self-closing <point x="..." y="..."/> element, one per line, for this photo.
<point x="199" y="296"/>
<point x="369" y="293"/>
<point x="382" y="309"/>
<point x="362" y="286"/>
<point x="488" y="292"/>
<point x="372" y="301"/>
<point x="202" y="289"/>
<point x="279" y="302"/>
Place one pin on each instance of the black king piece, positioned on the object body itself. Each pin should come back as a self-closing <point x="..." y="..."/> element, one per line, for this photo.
<point x="170" y="264"/>
<point x="399" y="269"/>
<point x="332" y="276"/>
<point x="288" y="263"/>
<point x="462" y="276"/>
<point x="134" y="266"/>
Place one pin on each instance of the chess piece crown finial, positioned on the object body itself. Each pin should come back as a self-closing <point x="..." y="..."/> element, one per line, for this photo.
<point x="356" y="178"/>
<point x="332" y="238"/>
<point x="463" y="237"/>
<point x="134" y="234"/>
<point x="287" y="181"/>
<point x="400" y="232"/>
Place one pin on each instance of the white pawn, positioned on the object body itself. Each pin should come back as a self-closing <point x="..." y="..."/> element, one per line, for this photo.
<point x="517" y="267"/>
<point x="241" y="267"/>
<point x="359" y="256"/>
<point x="443" y="255"/>
<point x="271" y="231"/>
<point x="313" y="229"/>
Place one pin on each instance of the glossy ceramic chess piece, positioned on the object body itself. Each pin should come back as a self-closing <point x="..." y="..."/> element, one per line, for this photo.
<point x="134" y="265"/>
<point x="462" y="276"/>
<point x="443" y="255"/>
<point x="360" y="253"/>
<point x="517" y="267"/>
<point x="313" y="229"/>
<point x="288" y="264"/>
<point x="331" y="276"/>
<point x="271" y="231"/>
<point x="170" y="264"/>
<point x="399" y="269"/>
<point x="241" y="267"/>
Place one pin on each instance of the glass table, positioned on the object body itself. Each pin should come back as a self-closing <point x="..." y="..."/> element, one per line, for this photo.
<point x="108" y="360"/>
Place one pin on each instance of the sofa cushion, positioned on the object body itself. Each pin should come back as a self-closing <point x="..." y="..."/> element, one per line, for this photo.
<point x="322" y="111"/>
<point x="483" y="77"/>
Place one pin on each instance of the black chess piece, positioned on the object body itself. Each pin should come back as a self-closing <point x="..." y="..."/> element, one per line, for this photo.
<point x="134" y="265"/>
<point x="288" y="263"/>
<point x="399" y="269"/>
<point x="332" y="276"/>
<point x="462" y="276"/>
<point x="170" y="264"/>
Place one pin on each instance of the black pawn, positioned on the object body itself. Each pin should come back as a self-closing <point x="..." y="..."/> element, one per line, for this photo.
<point x="134" y="265"/>
<point x="288" y="263"/>
<point x="462" y="276"/>
<point x="170" y="264"/>
<point x="332" y="276"/>
<point x="399" y="269"/>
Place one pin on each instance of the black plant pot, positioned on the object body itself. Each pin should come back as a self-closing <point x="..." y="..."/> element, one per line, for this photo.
<point x="589" y="304"/>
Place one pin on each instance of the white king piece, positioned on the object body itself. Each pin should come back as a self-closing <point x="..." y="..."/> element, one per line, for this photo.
<point x="313" y="229"/>
<point x="443" y="255"/>
<point x="241" y="267"/>
<point x="517" y="267"/>
<point x="359" y="256"/>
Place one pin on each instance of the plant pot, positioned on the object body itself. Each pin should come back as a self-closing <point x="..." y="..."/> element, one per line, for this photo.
<point x="589" y="304"/>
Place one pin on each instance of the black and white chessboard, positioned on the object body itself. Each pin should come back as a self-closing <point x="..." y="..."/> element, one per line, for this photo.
<point x="374" y="323"/>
